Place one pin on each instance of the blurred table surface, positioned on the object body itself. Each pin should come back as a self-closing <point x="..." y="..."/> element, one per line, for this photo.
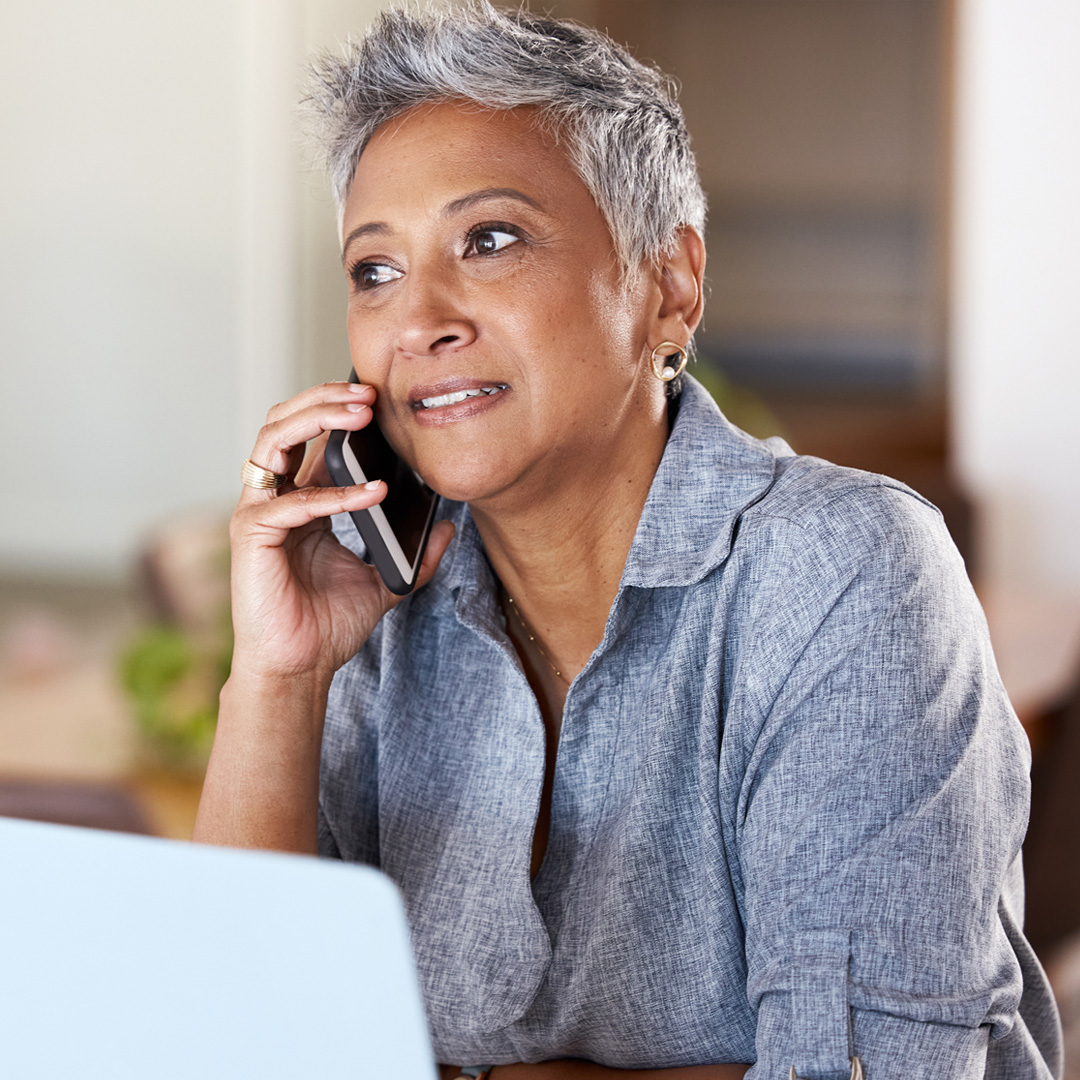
<point x="68" y="745"/>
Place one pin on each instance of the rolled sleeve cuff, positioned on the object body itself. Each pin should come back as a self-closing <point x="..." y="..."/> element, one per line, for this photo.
<point x="890" y="1047"/>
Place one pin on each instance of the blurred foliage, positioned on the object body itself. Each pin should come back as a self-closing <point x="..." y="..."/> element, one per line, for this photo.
<point x="741" y="406"/>
<point x="173" y="677"/>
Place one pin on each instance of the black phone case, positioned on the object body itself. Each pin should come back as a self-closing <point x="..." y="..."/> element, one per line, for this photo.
<point x="377" y="551"/>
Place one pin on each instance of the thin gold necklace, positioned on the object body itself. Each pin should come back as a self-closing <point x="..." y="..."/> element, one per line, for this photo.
<point x="532" y="637"/>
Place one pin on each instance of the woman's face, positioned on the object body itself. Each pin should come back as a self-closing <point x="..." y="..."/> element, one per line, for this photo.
<point x="479" y="265"/>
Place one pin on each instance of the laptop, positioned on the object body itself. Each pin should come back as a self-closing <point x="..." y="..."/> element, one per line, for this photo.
<point x="133" y="958"/>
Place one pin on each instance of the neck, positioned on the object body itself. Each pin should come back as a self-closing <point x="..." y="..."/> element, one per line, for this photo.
<point x="560" y="552"/>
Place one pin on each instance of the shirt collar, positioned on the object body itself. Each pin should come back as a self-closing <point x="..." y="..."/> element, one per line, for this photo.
<point x="709" y="474"/>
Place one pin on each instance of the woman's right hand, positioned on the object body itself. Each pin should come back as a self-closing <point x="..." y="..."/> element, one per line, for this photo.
<point x="302" y="603"/>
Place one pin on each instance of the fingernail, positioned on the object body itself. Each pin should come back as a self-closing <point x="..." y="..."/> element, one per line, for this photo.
<point x="371" y="485"/>
<point x="355" y="407"/>
<point x="358" y="387"/>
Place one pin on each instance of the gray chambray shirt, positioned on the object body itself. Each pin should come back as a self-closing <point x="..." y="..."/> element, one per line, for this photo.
<point x="788" y="802"/>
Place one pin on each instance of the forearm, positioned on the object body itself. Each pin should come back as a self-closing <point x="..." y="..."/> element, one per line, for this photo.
<point x="262" y="783"/>
<point x="574" y="1069"/>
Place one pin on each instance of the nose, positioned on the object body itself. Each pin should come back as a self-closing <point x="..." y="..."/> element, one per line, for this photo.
<point x="432" y="322"/>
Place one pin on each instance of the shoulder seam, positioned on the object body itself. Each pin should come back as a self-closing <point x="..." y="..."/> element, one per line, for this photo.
<point x="879" y="482"/>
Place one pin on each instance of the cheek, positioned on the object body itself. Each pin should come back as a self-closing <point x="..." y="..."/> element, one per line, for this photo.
<point x="618" y="315"/>
<point x="367" y="348"/>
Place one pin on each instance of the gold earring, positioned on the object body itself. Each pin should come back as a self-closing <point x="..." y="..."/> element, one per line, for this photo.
<point x="667" y="372"/>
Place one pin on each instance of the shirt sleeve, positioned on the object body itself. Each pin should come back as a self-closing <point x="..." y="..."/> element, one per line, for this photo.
<point x="348" y="826"/>
<point x="882" y="807"/>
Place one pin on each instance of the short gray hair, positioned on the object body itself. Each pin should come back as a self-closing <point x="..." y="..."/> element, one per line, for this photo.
<point x="624" y="131"/>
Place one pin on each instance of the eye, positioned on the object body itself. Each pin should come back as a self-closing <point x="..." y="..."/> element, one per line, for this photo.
<point x="366" y="275"/>
<point x="489" y="240"/>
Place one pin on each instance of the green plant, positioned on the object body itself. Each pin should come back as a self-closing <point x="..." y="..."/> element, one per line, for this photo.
<point x="173" y="680"/>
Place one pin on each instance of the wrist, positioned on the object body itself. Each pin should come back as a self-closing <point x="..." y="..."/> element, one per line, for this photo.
<point x="274" y="702"/>
<point x="252" y="669"/>
<point x="250" y="678"/>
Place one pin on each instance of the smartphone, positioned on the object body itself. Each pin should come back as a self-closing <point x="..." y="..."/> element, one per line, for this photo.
<point x="395" y="532"/>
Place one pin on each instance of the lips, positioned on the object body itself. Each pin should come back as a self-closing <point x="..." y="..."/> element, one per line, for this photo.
<point x="441" y="401"/>
<point x="453" y="400"/>
<point x="456" y="396"/>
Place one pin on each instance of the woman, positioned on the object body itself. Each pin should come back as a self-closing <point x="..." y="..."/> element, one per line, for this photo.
<point x="688" y="753"/>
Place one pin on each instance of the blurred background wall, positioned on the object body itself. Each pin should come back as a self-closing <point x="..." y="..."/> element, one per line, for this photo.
<point x="893" y="243"/>
<point x="1014" y="360"/>
<point x="151" y="214"/>
<point x="119" y="203"/>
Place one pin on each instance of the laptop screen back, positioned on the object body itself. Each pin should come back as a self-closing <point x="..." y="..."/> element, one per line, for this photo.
<point x="129" y="957"/>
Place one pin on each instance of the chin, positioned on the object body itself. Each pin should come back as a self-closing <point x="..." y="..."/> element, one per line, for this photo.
<point x="459" y="486"/>
<point x="464" y="484"/>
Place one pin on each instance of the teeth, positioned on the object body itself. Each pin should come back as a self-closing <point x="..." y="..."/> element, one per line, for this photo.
<point x="460" y="395"/>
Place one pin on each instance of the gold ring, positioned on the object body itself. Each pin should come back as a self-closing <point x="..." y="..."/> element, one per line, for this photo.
<point x="255" y="476"/>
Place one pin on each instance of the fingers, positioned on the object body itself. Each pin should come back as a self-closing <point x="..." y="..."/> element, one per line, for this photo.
<point x="280" y="444"/>
<point x="267" y="523"/>
<point x="313" y="395"/>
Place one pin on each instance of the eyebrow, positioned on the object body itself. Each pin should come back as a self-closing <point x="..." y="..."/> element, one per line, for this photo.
<point x="484" y="194"/>
<point x="371" y="228"/>
<point x="457" y="206"/>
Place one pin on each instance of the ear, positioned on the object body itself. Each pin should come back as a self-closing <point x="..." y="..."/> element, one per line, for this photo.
<point x="679" y="278"/>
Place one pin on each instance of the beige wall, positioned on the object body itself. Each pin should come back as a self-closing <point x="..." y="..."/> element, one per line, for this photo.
<point x="118" y="291"/>
<point x="1016" y="318"/>
<point x="155" y="231"/>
